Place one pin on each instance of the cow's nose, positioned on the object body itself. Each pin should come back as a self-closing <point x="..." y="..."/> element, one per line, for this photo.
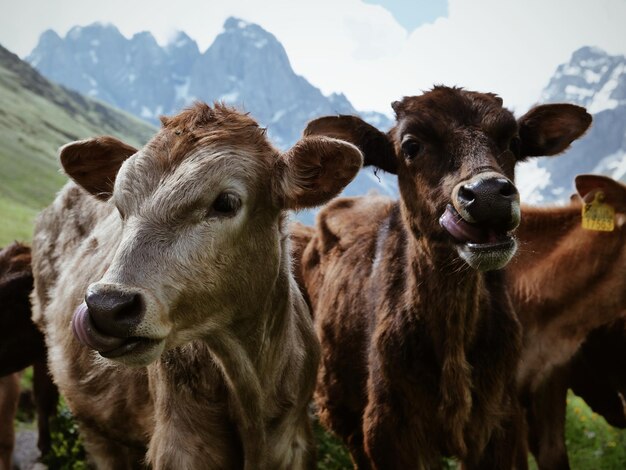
<point x="114" y="312"/>
<point x="493" y="200"/>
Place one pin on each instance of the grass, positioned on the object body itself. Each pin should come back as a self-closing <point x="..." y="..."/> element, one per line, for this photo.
<point x="591" y="442"/>
<point x="36" y="118"/>
<point x="331" y="454"/>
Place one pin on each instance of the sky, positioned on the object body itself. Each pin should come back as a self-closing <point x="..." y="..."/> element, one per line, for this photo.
<point x="374" y="51"/>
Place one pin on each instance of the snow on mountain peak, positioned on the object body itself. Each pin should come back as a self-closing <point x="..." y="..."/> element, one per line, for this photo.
<point x="180" y="39"/>
<point x="233" y="23"/>
<point x="596" y="80"/>
<point x="590" y="79"/>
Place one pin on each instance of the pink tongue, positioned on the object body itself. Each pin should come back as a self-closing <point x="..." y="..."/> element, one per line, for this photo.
<point x="86" y="333"/>
<point x="461" y="230"/>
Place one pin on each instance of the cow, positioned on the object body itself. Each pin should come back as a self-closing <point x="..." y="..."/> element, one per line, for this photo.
<point x="569" y="290"/>
<point x="163" y="285"/>
<point x="420" y="342"/>
<point x="21" y="345"/>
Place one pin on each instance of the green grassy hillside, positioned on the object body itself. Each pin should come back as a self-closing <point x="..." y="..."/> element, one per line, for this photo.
<point x="36" y="118"/>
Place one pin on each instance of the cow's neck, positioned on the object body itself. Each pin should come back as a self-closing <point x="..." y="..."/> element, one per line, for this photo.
<point x="449" y="295"/>
<point x="541" y="230"/>
<point x="449" y="299"/>
<point x="250" y="356"/>
<point x="557" y="261"/>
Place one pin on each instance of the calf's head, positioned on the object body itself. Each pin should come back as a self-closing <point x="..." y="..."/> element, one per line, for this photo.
<point x="200" y="209"/>
<point x="455" y="152"/>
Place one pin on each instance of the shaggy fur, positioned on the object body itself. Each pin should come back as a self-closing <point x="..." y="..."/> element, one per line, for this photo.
<point x="568" y="283"/>
<point x="21" y="345"/>
<point x="418" y="349"/>
<point x="227" y="375"/>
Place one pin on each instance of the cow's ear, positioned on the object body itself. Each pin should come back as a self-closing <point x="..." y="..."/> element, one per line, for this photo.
<point x="377" y="147"/>
<point x="550" y="129"/>
<point x="613" y="191"/>
<point x="313" y="171"/>
<point x="94" y="163"/>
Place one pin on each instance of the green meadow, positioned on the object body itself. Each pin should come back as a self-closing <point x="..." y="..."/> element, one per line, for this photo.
<point x="36" y="118"/>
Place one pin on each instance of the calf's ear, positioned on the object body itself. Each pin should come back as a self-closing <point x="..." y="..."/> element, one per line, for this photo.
<point x="93" y="163"/>
<point x="313" y="171"/>
<point x="550" y="129"/>
<point x="377" y="147"/>
<point x="614" y="192"/>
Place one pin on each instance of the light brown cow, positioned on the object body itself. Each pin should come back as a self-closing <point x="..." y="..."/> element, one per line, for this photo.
<point x="568" y="281"/>
<point x="181" y="256"/>
<point x="419" y="339"/>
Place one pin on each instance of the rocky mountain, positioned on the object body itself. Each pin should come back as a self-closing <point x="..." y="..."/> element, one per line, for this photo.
<point x="36" y="118"/>
<point x="246" y="66"/>
<point x="596" y="80"/>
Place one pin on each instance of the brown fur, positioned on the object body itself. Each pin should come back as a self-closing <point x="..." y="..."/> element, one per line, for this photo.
<point x="9" y="398"/>
<point x="20" y="341"/>
<point x="228" y="383"/>
<point x="568" y="282"/>
<point x="596" y="372"/>
<point x="418" y="349"/>
<point x="21" y="345"/>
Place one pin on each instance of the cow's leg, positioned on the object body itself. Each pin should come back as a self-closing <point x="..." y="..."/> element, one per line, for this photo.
<point x="342" y="418"/>
<point x="507" y="446"/>
<point x="9" y="398"/>
<point x="546" y="422"/>
<point x="389" y="444"/>
<point x="46" y="400"/>
<point x="106" y="454"/>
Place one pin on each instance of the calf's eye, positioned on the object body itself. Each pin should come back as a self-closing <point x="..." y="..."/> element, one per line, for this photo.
<point x="226" y="204"/>
<point x="515" y="145"/>
<point x="410" y="148"/>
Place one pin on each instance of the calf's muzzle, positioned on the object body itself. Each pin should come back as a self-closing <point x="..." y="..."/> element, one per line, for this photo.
<point x="488" y="199"/>
<point x="113" y="311"/>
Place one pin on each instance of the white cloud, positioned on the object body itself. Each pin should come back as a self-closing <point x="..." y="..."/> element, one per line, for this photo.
<point x="511" y="47"/>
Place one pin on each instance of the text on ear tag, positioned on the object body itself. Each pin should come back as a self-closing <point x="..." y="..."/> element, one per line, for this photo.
<point x="598" y="215"/>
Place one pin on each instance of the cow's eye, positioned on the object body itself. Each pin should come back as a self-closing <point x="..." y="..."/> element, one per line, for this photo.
<point x="411" y="148"/>
<point x="226" y="204"/>
<point x="515" y="145"/>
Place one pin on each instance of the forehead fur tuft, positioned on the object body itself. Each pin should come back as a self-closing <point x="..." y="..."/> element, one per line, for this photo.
<point x="455" y="106"/>
<point x="201" y="124"/>
<point x="201" y="115"/>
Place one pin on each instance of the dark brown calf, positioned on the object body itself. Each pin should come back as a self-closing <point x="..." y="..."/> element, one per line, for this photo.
<point x="419" y="338"/>
<point x="568" y="283"/>
<point x="21" y="345"/>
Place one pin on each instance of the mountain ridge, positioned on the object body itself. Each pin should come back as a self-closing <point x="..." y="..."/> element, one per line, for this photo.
<point x="245" y="66"/>
<point x="596" y="80"/>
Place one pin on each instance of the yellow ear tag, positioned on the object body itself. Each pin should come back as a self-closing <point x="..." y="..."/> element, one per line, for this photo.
<point x="597" y="215"/>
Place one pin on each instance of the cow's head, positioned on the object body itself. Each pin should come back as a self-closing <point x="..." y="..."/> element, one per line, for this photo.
<point x="455" y="152"/>
<point x="200" y="208"/>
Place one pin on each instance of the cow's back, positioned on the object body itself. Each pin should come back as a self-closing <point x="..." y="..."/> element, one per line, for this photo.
<point x="336" y="266"/>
